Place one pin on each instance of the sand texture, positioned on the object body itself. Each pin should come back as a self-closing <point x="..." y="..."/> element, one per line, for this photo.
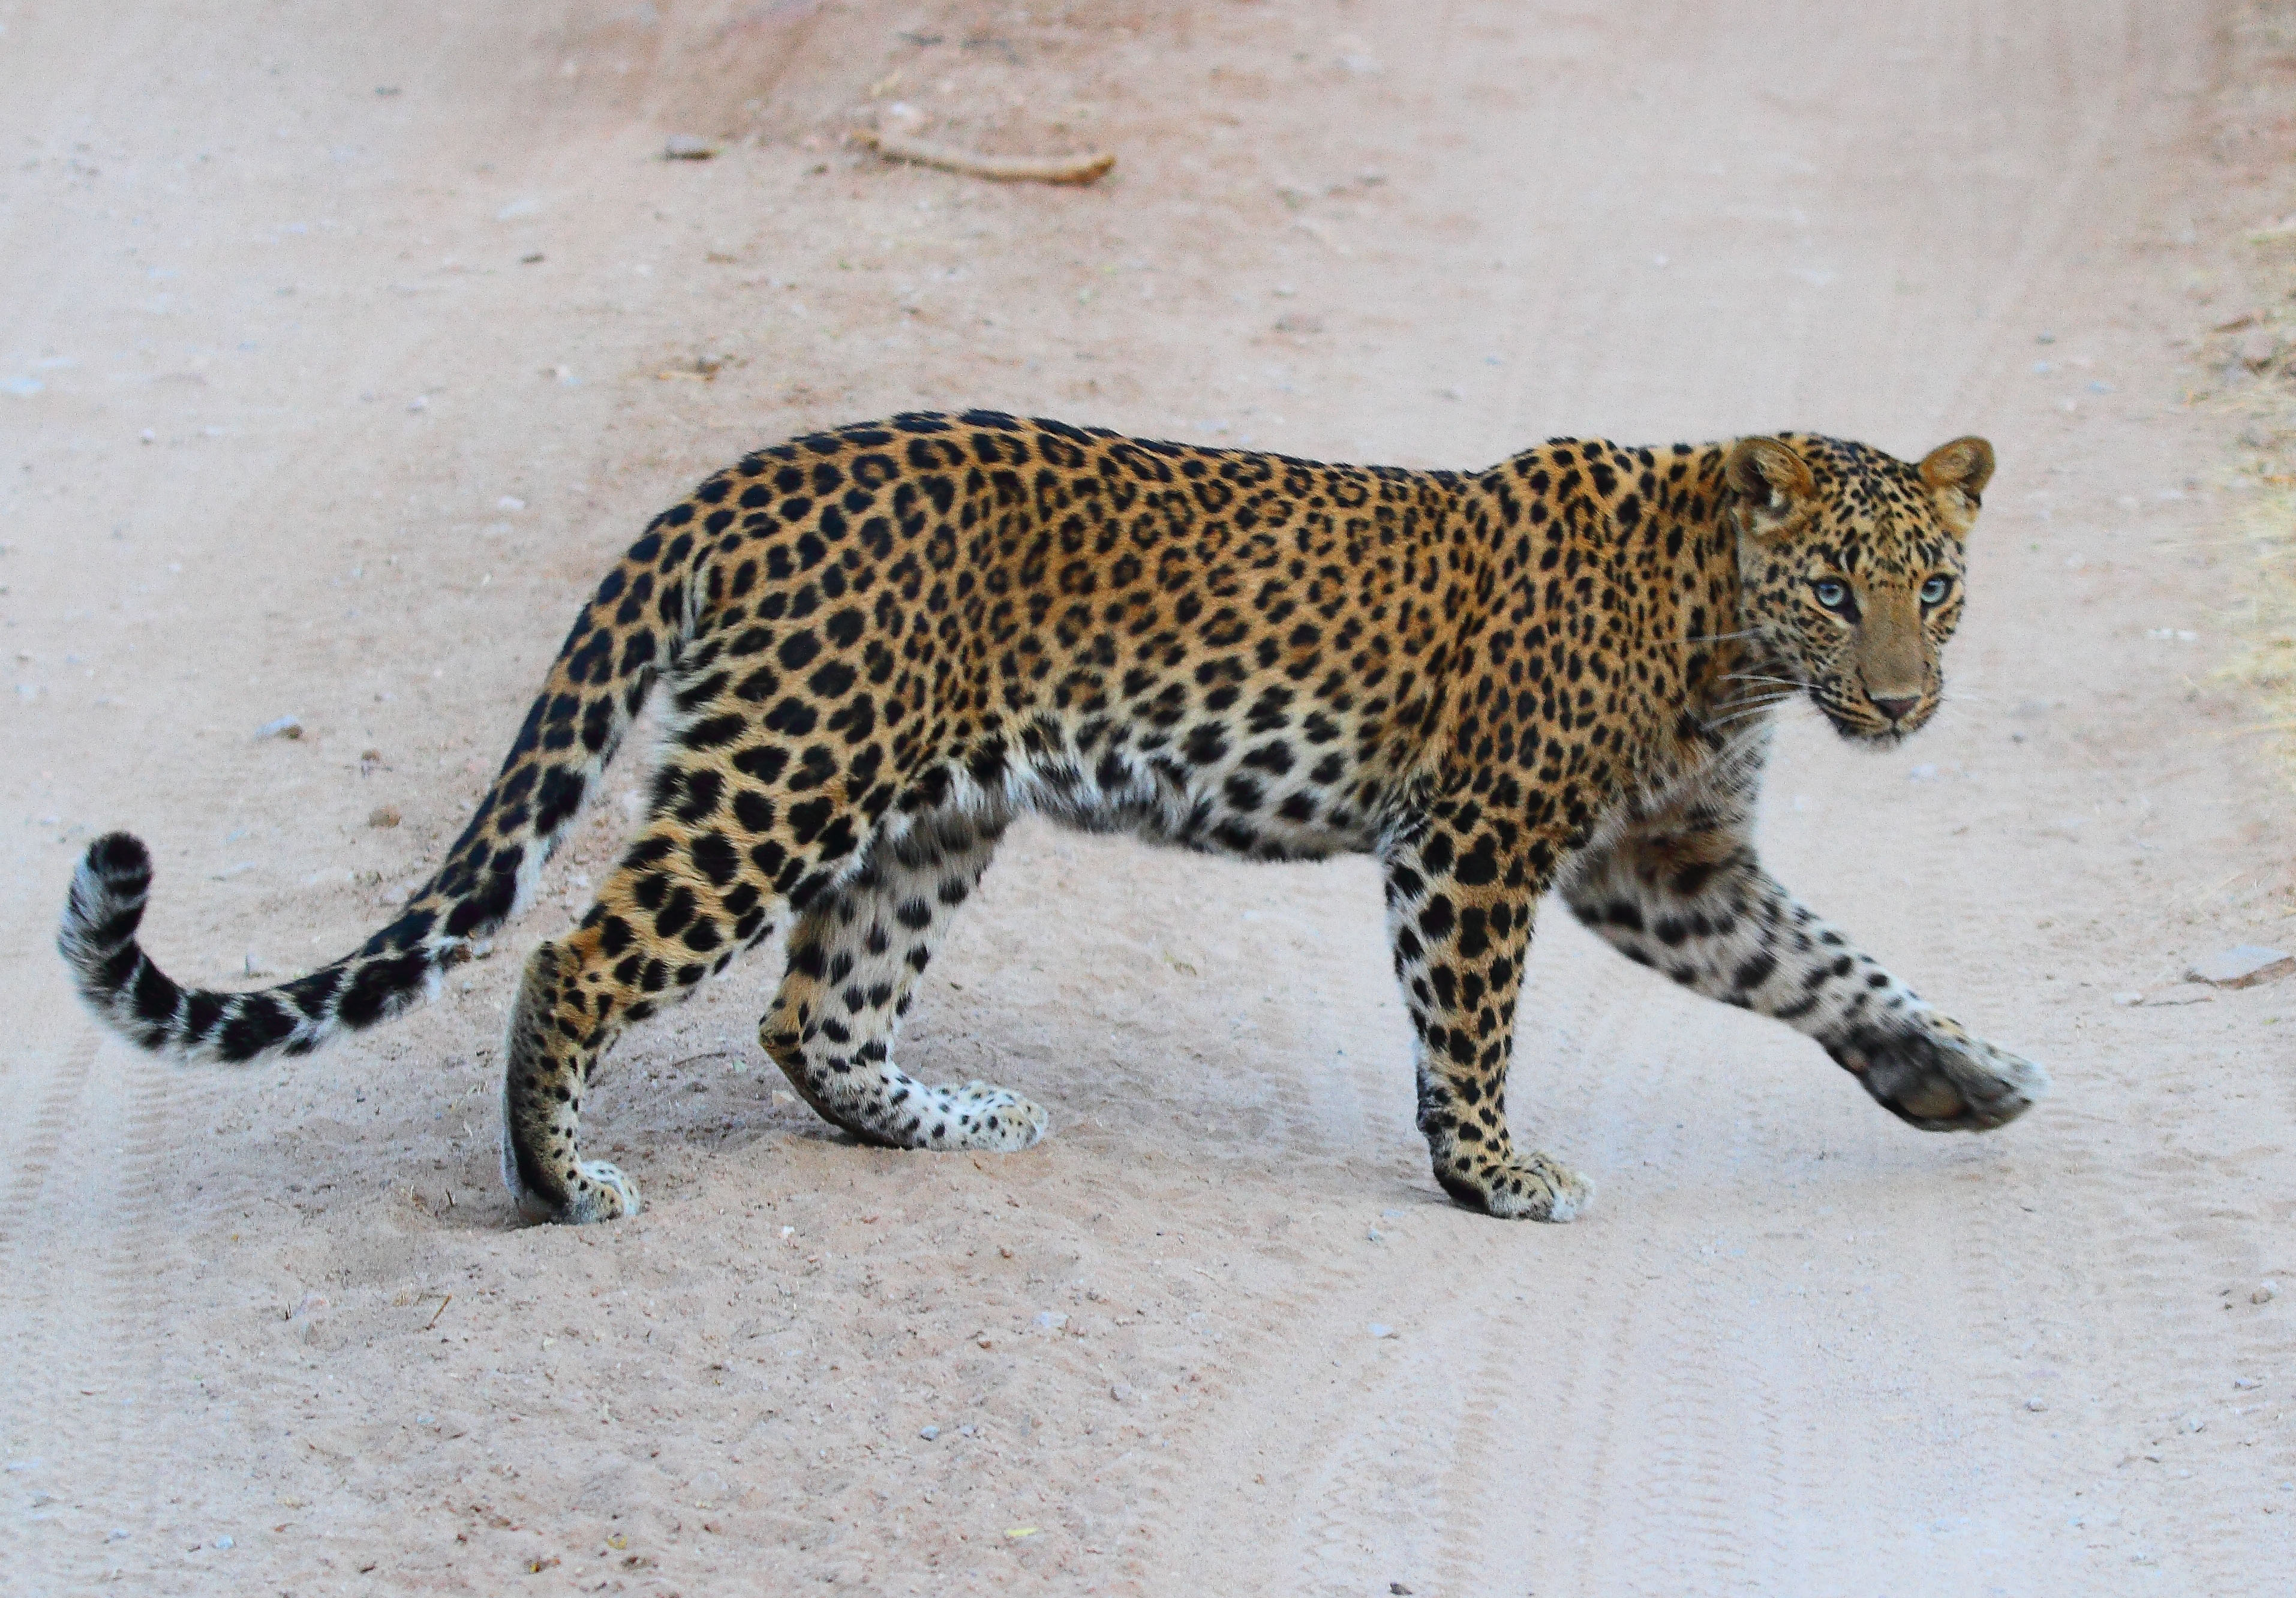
<point x="343" y="347"/>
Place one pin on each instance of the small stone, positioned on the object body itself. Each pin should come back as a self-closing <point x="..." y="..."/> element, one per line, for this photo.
<point x="1121" y="1392"/>
<point x="2257" y="349"/>
<point x="2246" y="1384"/>
<point x="148" y="437"/>
<point x="928" y="1432"/>
<point x="2243" y="965"/>
<point x="510" y="501"/>
<point x="1050" y="1320"/>
<point x="2266" y="1292"/>
<point x="2183" y="993"/>
<point x="686" y="147"/>
<point x="1379" y="1330"/>
<point x="2036" y="1404"/>
<point x="421" y="402"/>
<point x="2194" y="1423"/>
<point x="2127" y="998"/>
<point x="286" y="726"/>
<point x="385" y="815"/>
<point x="225" y="1542"/>
<point x="117" y="1534"/>
<point x="1374" y="1235"/>
<point x="308" y="1317"/>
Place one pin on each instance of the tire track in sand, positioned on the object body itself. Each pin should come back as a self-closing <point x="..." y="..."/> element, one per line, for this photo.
<point x="29" y="1162"/>
<point x="85" y="1255"/>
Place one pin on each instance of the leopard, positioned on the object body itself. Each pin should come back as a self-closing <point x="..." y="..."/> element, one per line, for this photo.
<point x="884" y="643"/>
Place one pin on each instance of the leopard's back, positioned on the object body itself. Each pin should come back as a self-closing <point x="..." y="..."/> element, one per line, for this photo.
<point x="1233" y="651"/>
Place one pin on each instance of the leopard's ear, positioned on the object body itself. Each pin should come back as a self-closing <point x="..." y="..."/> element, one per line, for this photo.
<point x="1956" y="475"/>
<point x="1771" y="488"/>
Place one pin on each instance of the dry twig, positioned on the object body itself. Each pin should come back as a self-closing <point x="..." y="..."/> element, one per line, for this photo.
<point x="897" y="147"/>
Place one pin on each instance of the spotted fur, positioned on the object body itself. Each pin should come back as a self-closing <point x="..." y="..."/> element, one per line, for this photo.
<point x="883" y="643"/>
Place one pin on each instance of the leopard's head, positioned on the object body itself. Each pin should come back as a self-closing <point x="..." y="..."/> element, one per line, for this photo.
<point x="1850" y="566"/>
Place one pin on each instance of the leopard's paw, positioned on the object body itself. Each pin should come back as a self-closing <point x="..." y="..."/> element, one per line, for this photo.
<point x="981" y="1115"/>
<point x="596" y="1191"/>
<point x="1942" y="1079"/>
<point x="1530" y="1187"/>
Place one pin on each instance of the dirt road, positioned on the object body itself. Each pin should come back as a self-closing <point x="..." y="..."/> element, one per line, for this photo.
<point x="343" y="349"/>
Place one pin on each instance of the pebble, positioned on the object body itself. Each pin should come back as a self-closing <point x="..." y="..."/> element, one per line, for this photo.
<point x="1375" y="1235"/>
<point x="1379" y="1330"/>
<point x="385" y="815"/>
<point x="2244" y="965"/>
<point x="1050" y="1320"/>
<point x="2257" y="349"/>
<point x="2194" y="1423"/>
<point x="2183" y="993"/>
<point x="286" y="726"/>
<point x="2266" y="1292"/>
<point x="510" y="501"/>
<point x="1121" y="1393"/>
<point x="928" y="1432"/>
<point x="2244" y="1383"/>
<point x="2036" y="1405"/>
<point x="225" y="1542"/>
<point x="308" y="1317"/>
<point x="686" y="147"/>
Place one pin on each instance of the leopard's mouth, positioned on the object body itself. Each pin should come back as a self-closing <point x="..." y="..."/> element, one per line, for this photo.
<point x="1868" y="728"/>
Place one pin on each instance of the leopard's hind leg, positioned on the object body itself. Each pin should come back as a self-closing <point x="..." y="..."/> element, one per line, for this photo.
<point x="855" y="957"/>
<point x="716" y="863"/>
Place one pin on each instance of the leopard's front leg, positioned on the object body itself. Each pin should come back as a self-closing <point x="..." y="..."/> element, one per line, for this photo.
<point x="1684" y="893"/>
<point x="1460" y="898"/>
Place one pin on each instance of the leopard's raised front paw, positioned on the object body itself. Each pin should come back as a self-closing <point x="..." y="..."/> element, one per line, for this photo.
<point x="1942" y="1079"/>
<point x="1530" y="1187"/>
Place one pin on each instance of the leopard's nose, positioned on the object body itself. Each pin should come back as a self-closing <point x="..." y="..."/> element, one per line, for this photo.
<point x="1896" y="709"/>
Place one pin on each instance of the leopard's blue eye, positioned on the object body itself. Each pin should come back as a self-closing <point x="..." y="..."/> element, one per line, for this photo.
<point x="1933" y="592"/>
<point x="1832" y="595"/>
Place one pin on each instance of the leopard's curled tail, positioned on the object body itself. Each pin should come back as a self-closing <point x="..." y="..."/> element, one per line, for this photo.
<point x="635" y="627"/>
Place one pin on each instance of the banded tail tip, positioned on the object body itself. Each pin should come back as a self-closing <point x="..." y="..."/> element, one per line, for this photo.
<point x="108" y="892"/>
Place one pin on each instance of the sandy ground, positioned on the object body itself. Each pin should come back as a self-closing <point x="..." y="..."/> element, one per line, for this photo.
<point x="343" y="346"/>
